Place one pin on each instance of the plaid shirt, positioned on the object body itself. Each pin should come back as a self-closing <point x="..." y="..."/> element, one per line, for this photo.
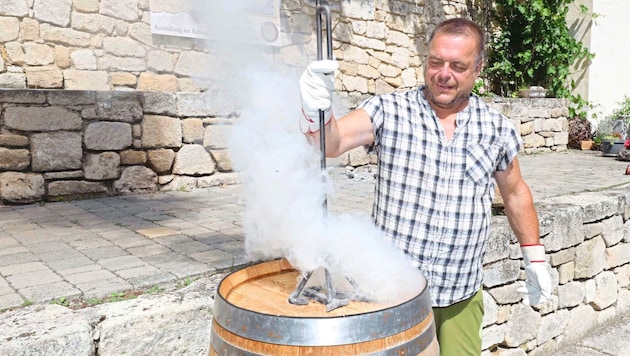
<point x="433" y="198"/>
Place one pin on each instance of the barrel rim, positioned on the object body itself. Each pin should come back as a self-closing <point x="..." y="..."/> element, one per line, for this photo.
<point x="320" y="331"/>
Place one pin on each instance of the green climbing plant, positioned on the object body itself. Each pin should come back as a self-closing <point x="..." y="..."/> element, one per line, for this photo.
<point x="532" y="46"/>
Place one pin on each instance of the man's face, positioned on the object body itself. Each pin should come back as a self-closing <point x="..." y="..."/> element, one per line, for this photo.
<point x="451" y="70"/>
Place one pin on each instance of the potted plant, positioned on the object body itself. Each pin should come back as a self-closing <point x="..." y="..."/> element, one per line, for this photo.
<point x="612" y="132"/>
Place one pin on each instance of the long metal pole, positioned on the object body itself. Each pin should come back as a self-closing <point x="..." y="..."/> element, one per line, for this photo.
<point x="323" y="10"/>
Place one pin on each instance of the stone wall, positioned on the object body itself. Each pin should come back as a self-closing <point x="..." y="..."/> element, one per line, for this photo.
<point x="60" y="144"/>
<point x="108" y="44"/>
<point x="57" y="144"/>
<point x="587" y="239"/>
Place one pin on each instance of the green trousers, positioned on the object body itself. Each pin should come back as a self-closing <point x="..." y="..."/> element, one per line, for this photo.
<point x="458" y="327"/>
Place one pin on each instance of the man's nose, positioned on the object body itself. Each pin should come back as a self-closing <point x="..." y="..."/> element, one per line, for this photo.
<point x="445" y="71"/>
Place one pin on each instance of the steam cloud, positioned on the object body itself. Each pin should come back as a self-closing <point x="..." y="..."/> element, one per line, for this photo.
<point x="283" y="184"/>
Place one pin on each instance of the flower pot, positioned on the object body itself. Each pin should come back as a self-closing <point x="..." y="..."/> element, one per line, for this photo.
<point x="586" y="145"/>
<point x="610" y="147"/>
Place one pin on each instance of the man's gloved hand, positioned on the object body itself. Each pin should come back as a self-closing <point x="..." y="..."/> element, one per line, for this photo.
<point x="316" y="91"/>
<point x="537" y="287"/>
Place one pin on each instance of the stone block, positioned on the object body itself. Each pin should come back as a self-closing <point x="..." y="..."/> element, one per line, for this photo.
<point x="552" y="325"/>
<point x="500" y="273"/>
<point x="605" y="290"/>
<point x="570" y="295"/>
<point x="149" y="81"/>
<point x="215" y="136"/>
<point x="161" y="160"/>
<point x="161" y="132"/>
<point x="581" y="321"/>
<point x="136" y="179"/>
<point x="108" y="136"/>
<point x="522" y="326"/>
<point x="160" y="103"/>
<point x="14" y="159"/>
<point x="120" y="109"/>
<point x="56" y="12"/>
<point x="102" y="166"/>
<point x="222" y="159"/>
<point x="121" y="9"/>
<point x="612" y="230"/>
<point x="86" y="80"/>
<point x="76" y="188"/>
<point x="211" y="104"/>
<point x="10" y="28"/>
<point x="590" y="258"/>
<point x="133" y="157"/>
<point x="64" y="36"/>
<point x="21" y="187"/>
<point x="193" y="160"/>
<point x="56" y="151"/>
<point x="498" y="245"/>
<point x="35" y="118"/>
<point x="66" y="332"/>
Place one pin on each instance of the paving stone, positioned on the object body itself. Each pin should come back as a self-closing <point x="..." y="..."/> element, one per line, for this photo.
<point x="16" y="256"/>
<point x="22" y="268"/>
<point x="7" y="251"/>
<point x="173" y="239"/>
<point x="90" y="244"/>
<point x="121" y="262"/>
<point x="104" y="288"/>
<point x="11" y="300"/>
<point x="7" y="241"/>
<point x="151" y="280"/>
<point x="157" y="232"/>
<point x="134" y="241"/>
<point x="53" y="256"/>
<point x="30" y="279"/>
<point x="148" y="250"/>
<point x="91" y="267"/>
<point x="189" y="247"/>
<point x="211" y="256"/>
<point x="99" y="253"/>
<point x="49" y="291"/>
<point x="89" y="276"/>
<point x="50" y="246"/>
<point x="66" y="263"/>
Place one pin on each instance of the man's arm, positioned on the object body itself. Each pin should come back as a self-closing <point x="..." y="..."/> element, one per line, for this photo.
<point x="353" y="130"/>
<point x="519" y="208"/>
<point x="519" y="204"/>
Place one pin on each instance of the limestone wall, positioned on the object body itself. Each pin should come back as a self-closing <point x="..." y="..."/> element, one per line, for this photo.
<point x="588" y="245"/>
<point x="108" y="44"/>
<point x="59" y="144"/>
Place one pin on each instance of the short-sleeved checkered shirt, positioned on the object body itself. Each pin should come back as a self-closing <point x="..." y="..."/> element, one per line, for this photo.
<point x="433" y="198"/>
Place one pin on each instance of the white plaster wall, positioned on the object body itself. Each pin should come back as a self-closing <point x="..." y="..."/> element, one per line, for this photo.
<point x="609" y="74"/>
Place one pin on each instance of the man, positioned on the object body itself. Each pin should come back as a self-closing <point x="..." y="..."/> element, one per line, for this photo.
<point x="440" y="150"/>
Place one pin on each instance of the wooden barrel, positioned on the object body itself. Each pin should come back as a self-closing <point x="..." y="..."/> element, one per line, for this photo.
<point x="252" y="316"/>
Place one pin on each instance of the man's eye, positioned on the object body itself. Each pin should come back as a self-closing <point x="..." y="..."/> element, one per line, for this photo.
<point x="436" y="63"/>
<point x="458" y="68"/>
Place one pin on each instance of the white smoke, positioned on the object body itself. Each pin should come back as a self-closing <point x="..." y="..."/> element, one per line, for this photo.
<point x="284" y="186"/>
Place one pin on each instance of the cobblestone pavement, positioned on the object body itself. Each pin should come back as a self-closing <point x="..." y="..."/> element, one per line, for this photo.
<point x="101" y="246"/>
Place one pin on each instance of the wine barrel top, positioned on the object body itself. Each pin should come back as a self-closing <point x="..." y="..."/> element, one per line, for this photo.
<point x="266" y="287"/>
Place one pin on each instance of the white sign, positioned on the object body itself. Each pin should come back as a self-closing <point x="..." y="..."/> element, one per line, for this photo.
<point x="177" y="18"/>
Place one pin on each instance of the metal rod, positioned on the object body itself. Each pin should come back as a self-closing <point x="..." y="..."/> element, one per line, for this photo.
<point x="323" y="10"/>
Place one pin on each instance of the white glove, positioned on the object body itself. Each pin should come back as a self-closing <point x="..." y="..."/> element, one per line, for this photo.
<point x="316" y="91"/>
<point x="537" y="287"/>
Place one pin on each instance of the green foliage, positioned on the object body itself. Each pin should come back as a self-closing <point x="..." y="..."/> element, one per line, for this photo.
<point x="533" y="47"/>
<point x="623" y="110"/>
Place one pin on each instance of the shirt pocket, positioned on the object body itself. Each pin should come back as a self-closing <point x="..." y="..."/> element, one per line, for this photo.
<point x="481" y="161"/>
